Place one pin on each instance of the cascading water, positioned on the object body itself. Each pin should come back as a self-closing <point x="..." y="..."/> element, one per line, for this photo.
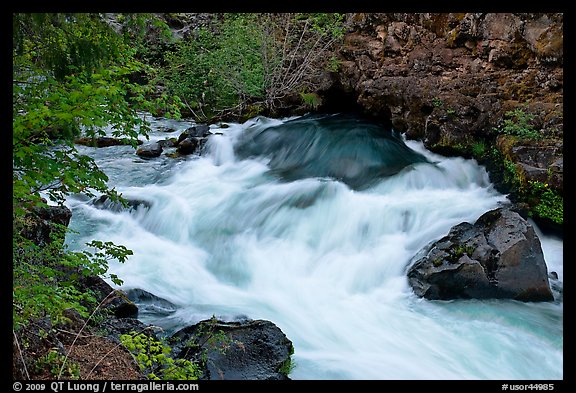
<point x="311" y="223"/>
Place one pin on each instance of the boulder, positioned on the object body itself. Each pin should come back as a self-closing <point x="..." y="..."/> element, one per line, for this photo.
<point x="114" y="300"/>
<point x="187" y="146"/>
<point x="103" y="141"/>
<point x="150" y="151"/>
<point x="148" y="303"/>
<point x="244" y="350"/>
<point x="193" y="139"/>
<point x="167" y="143"/>
<point x="44" y="221"/>
<point x="104" y="202"/>
<point x="499" y="256"/>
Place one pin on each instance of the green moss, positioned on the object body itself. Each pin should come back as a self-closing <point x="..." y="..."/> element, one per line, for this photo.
<point x="311" y="100"/>
<point x="457" y="251"/>
<point x="252" y="111"/>
<point x="479" y="149"/>
<point x="437" y="102"/>
<point x="451" y="38"/>
<point x="287" y="365"/>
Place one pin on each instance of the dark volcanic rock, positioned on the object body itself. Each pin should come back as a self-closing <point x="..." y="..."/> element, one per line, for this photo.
<point x="115" y="300"/>
<point x="248" y="350"/>
<point x="197" y="131"/>
<point x="43" y="222"/>
<point x="167" y="143"/>
<point x="148" y="303"/>
<point x="102" y="141"/>
<point x="193" y="139"/>
<point x="104" y="202"/>
<point x="188" y="146"/>
<point x="150" y="151"/>
<point x="500" y="256"/>
<point x="449" y="79"/>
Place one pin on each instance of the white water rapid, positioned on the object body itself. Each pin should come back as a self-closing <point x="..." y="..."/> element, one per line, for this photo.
<point x="323" y="261"/>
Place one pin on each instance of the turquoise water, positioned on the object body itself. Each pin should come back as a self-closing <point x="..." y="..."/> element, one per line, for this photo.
<point x="297" y="222"/>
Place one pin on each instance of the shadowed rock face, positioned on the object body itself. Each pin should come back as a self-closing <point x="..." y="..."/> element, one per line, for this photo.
<point x="246" y="350"/>
<point x="500" y="256"/>
<point x="42" y="223"/>
<point x="193" y="139"/>
<point x="448" y="79"/>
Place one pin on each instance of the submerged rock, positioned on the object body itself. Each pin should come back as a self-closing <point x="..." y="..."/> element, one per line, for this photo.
<point x="104" y="202"/>
<point x="42" y="222"/>
<point x="499" y="256"/>
<point x="343" y="147"/>
<point x="103" y="141"/>
<point x="148" y="303"/>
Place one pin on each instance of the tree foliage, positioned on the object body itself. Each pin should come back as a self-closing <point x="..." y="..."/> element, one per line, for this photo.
<point x="95" y="74"/>
<point x="72" y="74"/>
<point x="296" y="49"/>
<point x="252" y="60"/>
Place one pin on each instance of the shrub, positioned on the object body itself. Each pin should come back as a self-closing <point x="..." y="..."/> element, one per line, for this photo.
<point x="154" y="361"/>
<point x="518" y="123"/>
<point x="549" y="203"/>
<point x="252" y="59"/>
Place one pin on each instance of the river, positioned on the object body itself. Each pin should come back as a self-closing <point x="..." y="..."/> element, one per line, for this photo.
<point x="311" y="223"/>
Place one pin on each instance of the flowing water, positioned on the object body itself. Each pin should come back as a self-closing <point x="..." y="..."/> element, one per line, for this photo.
<point x="311" y="223"/>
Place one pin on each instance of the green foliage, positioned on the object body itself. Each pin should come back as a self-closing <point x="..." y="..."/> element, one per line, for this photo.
<point x="479" y="149"/>
<point x="45" y="276"/>
<point x="311" y="100"/>
<point x="187" y="74"/>
<point x="72" y="75"/>
<point x="214" y="72"/>
<point x="549" y="203"/>
<point x="437" y="102"/>
<point x="149" y="35"/>
<point x="518" y="123"/>
<point x="297" y="49"/>
<point x="288" y="365"/>
<point x="510" y="176"/>
<point x="459" y="250"/>
<point x="325" y="24"/>
<point x="334" y="64"/>
<point x="64" y="43"/>
<point x="239" y="57"/>
<point x="250" y="59"/>
<point x="542" y="200"/>
<point x="52" y="363"/>
<point x="154" y="361"/>
<point x="209" y="336"/>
